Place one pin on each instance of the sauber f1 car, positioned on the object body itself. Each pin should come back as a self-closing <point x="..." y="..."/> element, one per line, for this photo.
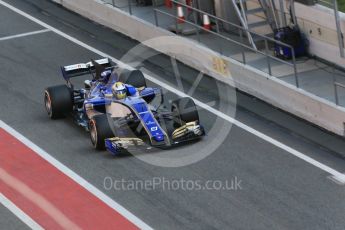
<point x="139" y="119"/>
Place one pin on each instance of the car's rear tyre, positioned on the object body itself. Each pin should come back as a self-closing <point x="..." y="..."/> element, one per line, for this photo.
<point x="58" y="101"/>
<point x="184" y="111"/>
<point x="135" y="78"/>
<point x="100" y="130"/>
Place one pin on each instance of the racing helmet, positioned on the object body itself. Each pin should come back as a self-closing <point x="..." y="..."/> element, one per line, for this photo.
<point x="105" y="75"/>
<point x="119" y="90"/>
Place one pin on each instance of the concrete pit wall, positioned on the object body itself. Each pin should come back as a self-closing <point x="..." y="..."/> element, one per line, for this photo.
<point x="272" y="90"/>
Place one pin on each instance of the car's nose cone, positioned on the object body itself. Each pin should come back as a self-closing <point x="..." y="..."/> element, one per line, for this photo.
<point x="159" y="138"/>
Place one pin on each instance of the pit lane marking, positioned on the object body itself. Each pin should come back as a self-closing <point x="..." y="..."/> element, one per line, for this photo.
<point x="24" y="34"/>
<point x="37" y="199"/>
<point x="75" y="177"/>
<point x="19" y="213"/>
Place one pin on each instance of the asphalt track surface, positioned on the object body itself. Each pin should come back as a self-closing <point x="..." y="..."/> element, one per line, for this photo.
<point x="278" y="190"/>
<point x="9" y="220"/>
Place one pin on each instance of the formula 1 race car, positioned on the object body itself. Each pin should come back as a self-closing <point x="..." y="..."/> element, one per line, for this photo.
<point x="139" y="119"/>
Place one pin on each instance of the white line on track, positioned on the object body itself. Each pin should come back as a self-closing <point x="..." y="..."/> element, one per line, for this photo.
<point x="19" y="213"/>
<point x="38" y="200"/>
<point x="24" y="34"/>
<point x="78" y="179"/>
<point x="336" y="174"/>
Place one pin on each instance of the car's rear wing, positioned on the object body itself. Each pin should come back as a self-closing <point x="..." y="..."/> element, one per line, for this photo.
<point x="85" y="68"/>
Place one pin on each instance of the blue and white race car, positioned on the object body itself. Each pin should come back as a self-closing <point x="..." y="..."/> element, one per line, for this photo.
<point x="119" y="110"/>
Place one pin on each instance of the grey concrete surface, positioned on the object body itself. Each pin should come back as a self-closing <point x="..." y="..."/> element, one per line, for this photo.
<point x="321" y="81"/>
<point x="279" y="191"/>
<point x="315" y="77"/>
<point x="9" y="27"/>
<point x="242" y="76"/>
<point x="9" y="221"/>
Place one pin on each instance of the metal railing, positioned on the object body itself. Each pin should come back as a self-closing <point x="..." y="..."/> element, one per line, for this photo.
<point x="268" y="56"/>
<point x="333" y="4"/>
<point x="217" y="20"/>
<point x="113" y="3"/>
<point x="239" y="29"/>
<point x="336" y="86"/>
<point x="336" y="71"/>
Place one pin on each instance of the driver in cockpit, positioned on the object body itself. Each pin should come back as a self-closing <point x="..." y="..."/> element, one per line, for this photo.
<point x="121" y="91"/>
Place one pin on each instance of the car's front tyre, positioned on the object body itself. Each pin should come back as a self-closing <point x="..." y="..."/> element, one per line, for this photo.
<point x="99" y="131"/>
